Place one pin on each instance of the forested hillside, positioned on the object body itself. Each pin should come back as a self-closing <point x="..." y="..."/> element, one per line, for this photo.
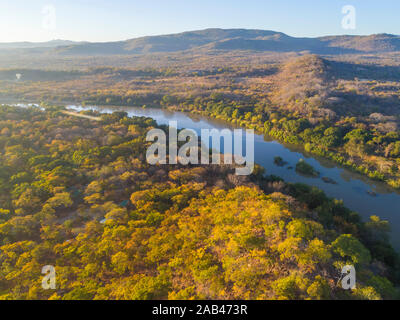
<point x="78" y="194"/>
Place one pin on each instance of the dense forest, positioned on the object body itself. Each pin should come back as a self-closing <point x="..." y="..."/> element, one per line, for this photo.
<point x="78" y="194"/>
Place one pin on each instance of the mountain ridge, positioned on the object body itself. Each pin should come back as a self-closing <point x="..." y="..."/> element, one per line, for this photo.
<point x="31" y="45"/>
<point x="226" y="40"/>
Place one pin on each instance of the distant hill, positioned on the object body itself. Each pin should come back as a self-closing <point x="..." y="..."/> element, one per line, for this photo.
<point x="377" y="43"/>
<point x="226" y="40"/>
<point x="31" y="45"/>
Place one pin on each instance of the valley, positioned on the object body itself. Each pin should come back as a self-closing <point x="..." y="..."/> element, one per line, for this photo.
<point x="78" y="193"/>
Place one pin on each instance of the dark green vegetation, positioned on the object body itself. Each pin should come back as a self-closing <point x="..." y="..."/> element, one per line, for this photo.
<point x="170" y="231"/>
<point x="280" y="162"/>
<point x="328" y="180"/>
<point x="306" y="169"/>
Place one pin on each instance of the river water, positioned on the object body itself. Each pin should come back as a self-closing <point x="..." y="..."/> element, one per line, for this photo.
<point x="359" y="193"/>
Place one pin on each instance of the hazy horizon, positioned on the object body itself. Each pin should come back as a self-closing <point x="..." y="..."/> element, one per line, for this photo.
<point x="162" y="34"/>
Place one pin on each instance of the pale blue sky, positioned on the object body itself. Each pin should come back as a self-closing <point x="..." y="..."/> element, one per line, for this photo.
<point x="102" y="20"/>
